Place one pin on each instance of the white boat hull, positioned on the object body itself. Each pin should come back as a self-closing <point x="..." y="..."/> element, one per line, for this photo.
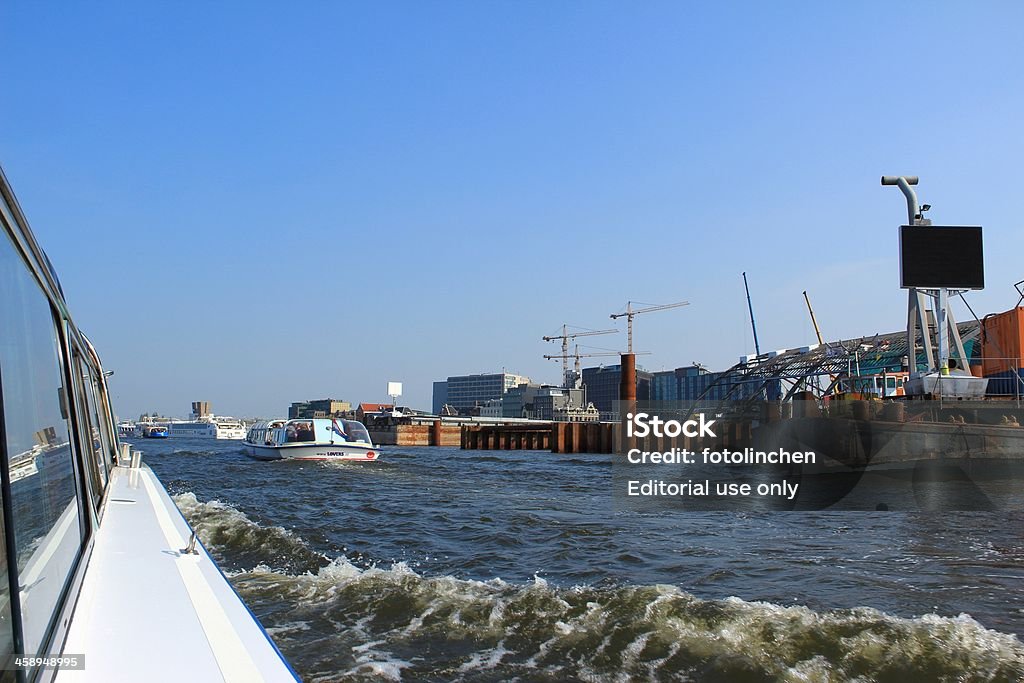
<point x="300" y="451"/>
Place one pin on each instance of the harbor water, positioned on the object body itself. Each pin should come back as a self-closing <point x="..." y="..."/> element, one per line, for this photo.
<point x="435" y="564"/>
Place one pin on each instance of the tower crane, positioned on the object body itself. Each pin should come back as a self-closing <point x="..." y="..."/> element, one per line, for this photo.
<point x="630" y="312"/>
<point x="565" y="337"/>
<point x="577" y="355"/>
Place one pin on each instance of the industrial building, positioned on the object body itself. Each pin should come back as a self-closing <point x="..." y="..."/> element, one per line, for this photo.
<point x="465" y="392"/>
<point x="325" y="407"/>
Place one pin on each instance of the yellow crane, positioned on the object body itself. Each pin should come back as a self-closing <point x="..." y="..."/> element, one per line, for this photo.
<point x="817" y="331"/>
<point x="813" y="320"/>
<point x="630" y="312"/>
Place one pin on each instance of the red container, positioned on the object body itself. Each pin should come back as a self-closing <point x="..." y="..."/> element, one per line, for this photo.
<point x="1003" y="342"/>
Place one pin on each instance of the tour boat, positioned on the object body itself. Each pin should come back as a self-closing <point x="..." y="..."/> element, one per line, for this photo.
<point x="197" y="427"/>
<point x="154" y="432"/>
<point x="109" y="580"/>
<point x="310" y="439"/>
<point x="208" y="427"/>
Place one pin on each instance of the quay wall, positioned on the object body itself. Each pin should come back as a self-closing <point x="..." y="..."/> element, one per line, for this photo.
<point x="589" y="437"/>
<point x="435" y="434"/>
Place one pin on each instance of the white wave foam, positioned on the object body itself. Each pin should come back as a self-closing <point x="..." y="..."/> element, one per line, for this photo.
<point x="377" y="621"/>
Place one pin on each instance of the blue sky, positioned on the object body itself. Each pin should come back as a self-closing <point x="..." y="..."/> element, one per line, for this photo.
<point x="254" y="204"/>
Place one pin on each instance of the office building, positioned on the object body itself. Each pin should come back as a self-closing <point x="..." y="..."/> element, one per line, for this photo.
<point x="602" y="385"/>
<point x="694" y="382"/>
<point x="440" y="395"/>
<point x="326" y="407"/>
<point x="465" y="392"/>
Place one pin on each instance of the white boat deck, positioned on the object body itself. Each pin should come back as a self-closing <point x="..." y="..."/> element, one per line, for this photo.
<point x="148" y="612"/>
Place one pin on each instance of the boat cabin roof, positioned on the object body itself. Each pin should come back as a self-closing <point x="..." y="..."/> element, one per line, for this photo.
<point x="324" y="429"/>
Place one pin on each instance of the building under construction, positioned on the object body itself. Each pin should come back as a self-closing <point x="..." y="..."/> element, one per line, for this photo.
<point x="874" y="365"/>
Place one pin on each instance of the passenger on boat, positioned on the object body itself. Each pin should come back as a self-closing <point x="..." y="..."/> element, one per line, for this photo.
<point x="304" y="432"/>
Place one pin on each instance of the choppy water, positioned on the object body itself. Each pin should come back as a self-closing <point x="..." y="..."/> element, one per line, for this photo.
<point x="438" y="564"/>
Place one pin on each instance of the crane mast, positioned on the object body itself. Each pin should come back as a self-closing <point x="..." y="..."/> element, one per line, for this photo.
<point x="565" y="355"/>
<point x="577" y="355"/>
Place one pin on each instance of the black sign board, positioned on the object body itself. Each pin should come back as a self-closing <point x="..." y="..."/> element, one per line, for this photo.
<point x="941" y="256"/>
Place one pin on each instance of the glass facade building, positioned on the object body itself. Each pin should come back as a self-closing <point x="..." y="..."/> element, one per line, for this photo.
<point x="602" y="385"/>
<point x="465" y="392"/>
<point x="689" y="384"/>
<point x="440" y="396"/>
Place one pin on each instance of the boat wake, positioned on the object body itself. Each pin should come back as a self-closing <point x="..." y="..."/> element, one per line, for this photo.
<point x="338" y="622"/>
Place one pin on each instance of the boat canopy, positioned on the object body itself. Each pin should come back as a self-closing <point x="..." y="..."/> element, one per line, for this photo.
<point x="326" y="430"/>
<point x="356" y="431"/>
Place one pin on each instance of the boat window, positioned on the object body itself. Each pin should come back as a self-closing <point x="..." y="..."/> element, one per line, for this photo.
<point x="96" y="472"/>
<point x="300" y="430"/>
<point x="890" y="382"/>
<point x="356" y="431"/>
<point x="38" y="452"/>
<point x="108" y="426"/>
<point x="99" y="443"/>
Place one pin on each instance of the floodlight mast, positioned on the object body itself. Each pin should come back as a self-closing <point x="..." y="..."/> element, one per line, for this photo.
<point x="904" y="182"/>
<point x="916" y="306"/>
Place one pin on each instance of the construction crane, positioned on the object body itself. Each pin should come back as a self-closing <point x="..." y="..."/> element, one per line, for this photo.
<point x="629" y="313"/>
<point x="567" y="379"/>
<point x="814" y="321"/>
<point x="817" y="331"/>
<point x="750" y="307"/>
<point x="565" y="337"/>
<point x="577" y="355"/>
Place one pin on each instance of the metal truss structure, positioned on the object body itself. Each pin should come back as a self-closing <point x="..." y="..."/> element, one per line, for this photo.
<point x="819" y="368"/>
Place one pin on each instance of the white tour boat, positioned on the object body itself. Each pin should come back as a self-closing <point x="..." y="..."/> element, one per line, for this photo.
<point x="310" y="439"/>
<point x="104" y="578"/>
<point x="208" y="427"/>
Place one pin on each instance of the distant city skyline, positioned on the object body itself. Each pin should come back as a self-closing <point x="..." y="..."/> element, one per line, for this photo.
<point x="254" y="205"/>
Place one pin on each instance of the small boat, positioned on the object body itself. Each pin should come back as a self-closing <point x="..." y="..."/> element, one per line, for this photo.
<point x="154" y="432"/>
<point x="310" y="439"/>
